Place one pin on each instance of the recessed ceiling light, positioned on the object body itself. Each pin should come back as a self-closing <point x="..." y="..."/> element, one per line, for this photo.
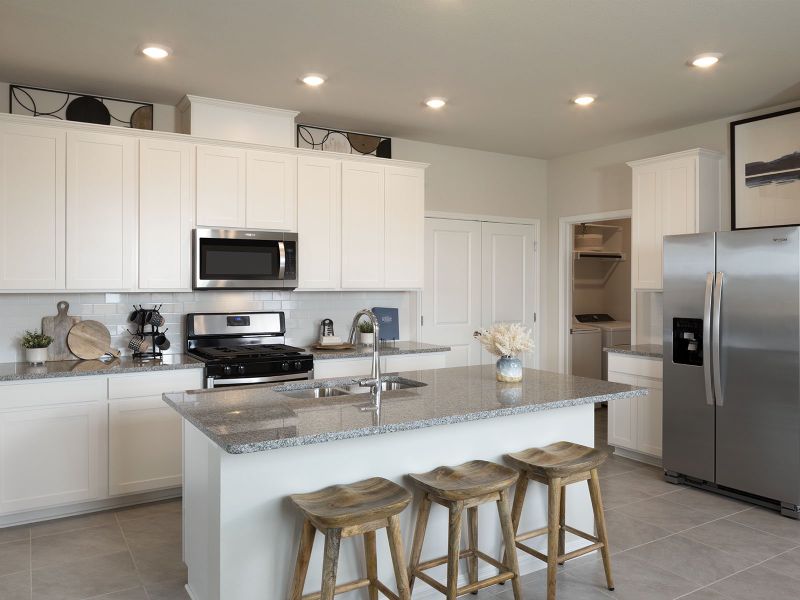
<point x="435" y="102"/>
<point x="313" y="79"/>
<point x="704" y="61"/>
<point x="584" y="99"/>
<point x="156" y="51"/>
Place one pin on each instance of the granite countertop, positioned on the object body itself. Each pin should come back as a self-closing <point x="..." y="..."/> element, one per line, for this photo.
<point x="73" y="368"/>
<point x="648" y="350"/>
<point x="258" y="418"/>
<point x="387" y="349"/>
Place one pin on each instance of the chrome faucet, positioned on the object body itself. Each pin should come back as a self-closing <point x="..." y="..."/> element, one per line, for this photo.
<point x="374" y="381"/>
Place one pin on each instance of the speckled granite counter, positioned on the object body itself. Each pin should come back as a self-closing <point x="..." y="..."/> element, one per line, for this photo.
<point x="647" y="350"/>
<point x="74" y="368"/>
<point x="256" y="418"/>
<point x="387" y="349"/>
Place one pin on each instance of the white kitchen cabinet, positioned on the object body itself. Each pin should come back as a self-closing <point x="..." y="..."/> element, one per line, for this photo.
<point x="363" y="222"/>
<point x="271" y="191"/>
<point x="673" y="194"/>
<point x="102" y="184"/>
<point x="166" y="214"/>
<point x="635" y="424"/>
<point x="319" y="223"/>
<point x="404" y="241"/>
<point x="32" y="204"/>
<point x="221" y="195"/>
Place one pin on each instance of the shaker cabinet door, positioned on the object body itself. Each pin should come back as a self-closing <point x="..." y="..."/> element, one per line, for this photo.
<point x="319" y="231"/>
<point x="363" y="218"/>
<point x="271" y="191"/>
<point x="220" y="187"/>
<point x="405" y="228"/>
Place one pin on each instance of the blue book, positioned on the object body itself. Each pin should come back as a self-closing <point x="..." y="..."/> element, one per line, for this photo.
<point x="388" y="321"/>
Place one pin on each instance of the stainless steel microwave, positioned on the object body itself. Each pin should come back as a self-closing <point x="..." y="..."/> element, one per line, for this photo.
<point x="244" y="259"/>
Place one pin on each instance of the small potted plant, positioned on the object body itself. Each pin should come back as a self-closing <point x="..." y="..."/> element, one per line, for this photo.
<point x="367" y="333"/>
<point x="35" y="344"/>
<point x="507" y="340"/>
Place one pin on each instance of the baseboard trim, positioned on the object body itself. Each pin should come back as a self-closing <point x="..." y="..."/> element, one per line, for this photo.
<point x="638" y="456"/>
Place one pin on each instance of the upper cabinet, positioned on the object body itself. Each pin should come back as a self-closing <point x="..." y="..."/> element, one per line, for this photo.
<point x="32" y="207"/>
<point x="404" y="215"/>
<point x="319" y="231"/>
<point x="673" y="194"/>
<point x="220" y="186"/>
<point x="166" y="214"/>
<point x="363" y="220"/>
<point x="102" y="182"/>
<point x="271" y="191"/>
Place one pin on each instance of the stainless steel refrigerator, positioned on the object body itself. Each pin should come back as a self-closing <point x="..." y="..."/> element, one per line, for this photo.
<point x="732" y="363"/>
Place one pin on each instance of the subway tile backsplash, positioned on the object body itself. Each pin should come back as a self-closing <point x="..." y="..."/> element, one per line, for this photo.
<point x="304" y="310"/>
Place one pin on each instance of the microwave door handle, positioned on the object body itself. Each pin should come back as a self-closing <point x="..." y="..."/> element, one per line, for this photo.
<point x="282" y="260"/>
<point x="707" y="338"/>
<point x="717" y="311"/>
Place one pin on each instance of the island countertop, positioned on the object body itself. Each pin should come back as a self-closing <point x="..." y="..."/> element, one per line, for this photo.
<point x="258" y="418"/>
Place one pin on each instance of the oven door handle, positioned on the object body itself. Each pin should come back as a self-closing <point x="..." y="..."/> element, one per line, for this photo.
<point x="282" y="260"/>
<point x="215" y="383"/>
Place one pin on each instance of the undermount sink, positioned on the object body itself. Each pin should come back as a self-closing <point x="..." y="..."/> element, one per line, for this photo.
<point x="390" y="384"/>
<point x="315" y="392"/>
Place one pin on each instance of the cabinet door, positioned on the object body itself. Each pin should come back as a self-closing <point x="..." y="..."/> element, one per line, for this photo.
<point x="144" y="442"/>
<point x="52" y="455"/>
<point x="345" y="367"/>
<point x="32" y="162"/>
<point x="319" y="223"/>
<point x="678" y="180"/>
<point x="166" y="214"/>
<point x="271" y="191"/>
<point x="647" y="237"/>
<point x="363" y="212"/>
<point x="622" y="415"/>
<point x="405" y="228"/>
<point x="220" y="187"/>
<point x="101" y="211"/>
<point x="649" y="416"/>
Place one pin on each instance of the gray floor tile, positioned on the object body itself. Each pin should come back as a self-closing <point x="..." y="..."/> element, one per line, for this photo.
<point x="769" y="521"/>
<point x="15" y="556"/>
<point x="713" y="504"/>
<point x="619" y="490"/>
<point x="72" y="523"/>
<point x="616" y="465"/>
<point x="645" y="481"/>
<point x="758" y="582"/>
<point x="155" y="530"/>
<point x="14" y="534"/>
<point x="159" y="563"/>
<point x="534" y="587"/>
<point x="69" y="546"/>
<point x="695" y="561"/>
<point x="16" y="586"/>
<point x="170" y="590"/>
<point x="667" y="515"/>
<point x="136" y="593"/>
<point x="166" y="507"/>
<point x="739" y="539"/>
<point x="705" y="594"/>
<point x="625" y="532"/>
<point x="787" y="563"/>
<point x="85" y="578"/>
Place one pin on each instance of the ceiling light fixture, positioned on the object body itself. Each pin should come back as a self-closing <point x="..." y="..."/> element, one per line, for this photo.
<point x="704" y="61"/>
<point x="584" y="99"/>
<point x="435" y="102"/>
<point x="156" y="51"/>
<point x="313" y="79"/>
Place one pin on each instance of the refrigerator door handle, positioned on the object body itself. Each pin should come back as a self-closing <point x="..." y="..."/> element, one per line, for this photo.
<point x="719" y="393"/>
<point x="707" y="338"/>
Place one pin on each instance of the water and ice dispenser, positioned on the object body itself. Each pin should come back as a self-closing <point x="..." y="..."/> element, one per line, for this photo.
<point x="687" y="341"/>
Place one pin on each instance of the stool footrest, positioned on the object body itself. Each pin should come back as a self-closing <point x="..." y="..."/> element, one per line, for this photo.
<point x="583" y="534"/>
<point x="501" y="577"/>
<point x="340" y="589"/>
<point x="532" y="534"/>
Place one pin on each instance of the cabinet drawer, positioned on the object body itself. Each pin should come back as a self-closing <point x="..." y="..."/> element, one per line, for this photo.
<point x="154" y="384"/>
<point x="635" y="365"/>
<point x="53" y="391"/>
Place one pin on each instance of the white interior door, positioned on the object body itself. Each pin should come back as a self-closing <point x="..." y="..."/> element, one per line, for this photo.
<point x="507" y="277"/>
<point x="451" y="300"/>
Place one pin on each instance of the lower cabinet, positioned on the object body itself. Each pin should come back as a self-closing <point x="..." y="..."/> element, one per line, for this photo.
<point x="636" y="423"/>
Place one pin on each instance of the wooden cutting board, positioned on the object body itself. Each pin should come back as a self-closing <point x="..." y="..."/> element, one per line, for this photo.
<point x="90" y="340"/>
<point x="57" y="328"/>
<point x="332" y="346"/>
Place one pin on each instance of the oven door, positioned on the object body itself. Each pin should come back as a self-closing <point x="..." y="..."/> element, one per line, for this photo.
<point x="236" y="258"/>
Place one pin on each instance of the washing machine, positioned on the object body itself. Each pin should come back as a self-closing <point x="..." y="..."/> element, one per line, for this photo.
<point x="613" y="333"/>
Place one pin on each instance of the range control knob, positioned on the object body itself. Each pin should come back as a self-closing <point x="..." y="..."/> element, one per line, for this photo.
<point x="298" y="365"/>
<point x="285" y="366"/>
<point x="240" y="369"/>
<point x="226" y="369"/>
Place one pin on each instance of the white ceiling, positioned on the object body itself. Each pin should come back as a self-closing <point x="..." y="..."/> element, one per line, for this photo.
<point x="508" y="67"/>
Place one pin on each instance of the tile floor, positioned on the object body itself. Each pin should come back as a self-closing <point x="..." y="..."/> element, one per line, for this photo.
<point x="668" y="542"/>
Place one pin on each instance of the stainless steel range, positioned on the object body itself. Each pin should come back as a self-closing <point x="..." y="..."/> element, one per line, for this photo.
<point x="245" y="348"/>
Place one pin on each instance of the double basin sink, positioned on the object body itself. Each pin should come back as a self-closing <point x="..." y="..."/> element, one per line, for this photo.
<point x="322" y="390"/>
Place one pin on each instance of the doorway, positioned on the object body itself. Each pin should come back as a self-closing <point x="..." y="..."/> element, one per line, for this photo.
<point x="478" y="271"/>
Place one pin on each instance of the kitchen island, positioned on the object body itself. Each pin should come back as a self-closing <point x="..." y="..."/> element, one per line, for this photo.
<point x="246" y="449"/>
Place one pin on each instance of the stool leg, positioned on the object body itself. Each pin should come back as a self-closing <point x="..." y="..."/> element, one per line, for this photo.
<point x="472" y="530"/>
<point x="553" y="510"/>
<point x="508" y="538"/>
<point x="419" y="538"/>
<point x="303" y="556"/>
<point x="453" y="548"/>
<point x="600" y="523"/>
<point x="519" y="500"/>
<point x="372" y="563"/>
<point x="562" y="520"/>
<point x="330" y="562"/>
<point x="398" y="558"/>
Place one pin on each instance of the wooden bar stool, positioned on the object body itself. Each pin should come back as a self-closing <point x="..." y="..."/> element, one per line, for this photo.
<point x="557" y="466"/>
<point x="456" y="488"/>
<point x="341" y="511"/>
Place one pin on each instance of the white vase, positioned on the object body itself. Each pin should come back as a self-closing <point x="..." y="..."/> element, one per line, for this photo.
<point x="367" y="338"/>
<point x="36" y="356"/>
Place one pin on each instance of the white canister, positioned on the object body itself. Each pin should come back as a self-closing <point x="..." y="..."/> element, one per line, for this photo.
<point x="368" y="339"/>
<point x="36" y="356"/>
